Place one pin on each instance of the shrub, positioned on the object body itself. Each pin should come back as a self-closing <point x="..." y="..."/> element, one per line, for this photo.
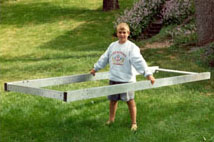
<point x="174" y="11"/>
<point x="209" y="54"/>
<point x="204" y="55"/>
<point x="140" y="15"/>
<point x="183" y="30"/>
<point x="144" y="11"/>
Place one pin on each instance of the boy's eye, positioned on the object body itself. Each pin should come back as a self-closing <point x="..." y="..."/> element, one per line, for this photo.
<point x="122" y="32"/>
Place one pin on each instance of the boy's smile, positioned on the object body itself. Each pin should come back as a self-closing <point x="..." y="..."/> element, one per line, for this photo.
<point x="122" y="36"/>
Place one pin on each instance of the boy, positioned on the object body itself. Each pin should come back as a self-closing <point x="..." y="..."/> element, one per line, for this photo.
<point x="124" y="57"/>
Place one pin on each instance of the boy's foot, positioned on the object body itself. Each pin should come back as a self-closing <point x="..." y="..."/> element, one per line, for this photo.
<point x="134" y="127"/>
<point x="109" y="122"/>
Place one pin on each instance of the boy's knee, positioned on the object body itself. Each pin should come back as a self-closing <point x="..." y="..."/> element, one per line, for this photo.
<point x="131" y="102"/>
<point x="113" y="102"/>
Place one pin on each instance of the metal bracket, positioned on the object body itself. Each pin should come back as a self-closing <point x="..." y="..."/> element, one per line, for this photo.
<point x="5" y="87"/>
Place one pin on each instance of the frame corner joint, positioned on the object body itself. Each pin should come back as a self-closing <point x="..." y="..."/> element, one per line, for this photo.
<point x="5" y="87"/>
<point x="65" y="94"/>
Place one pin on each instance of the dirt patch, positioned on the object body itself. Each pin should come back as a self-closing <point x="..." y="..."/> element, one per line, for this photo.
<point x="156" y="45"/>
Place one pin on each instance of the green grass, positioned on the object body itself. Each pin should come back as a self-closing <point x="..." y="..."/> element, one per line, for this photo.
<point x="47" y="38"/>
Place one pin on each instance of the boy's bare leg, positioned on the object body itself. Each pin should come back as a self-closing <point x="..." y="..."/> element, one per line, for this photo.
<point x="133" y="113"/>
<point x="112" y="111"/>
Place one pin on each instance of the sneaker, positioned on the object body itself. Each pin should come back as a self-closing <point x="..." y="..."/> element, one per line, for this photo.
<point x="109" y="122"/>
<point x="134" y="127"/>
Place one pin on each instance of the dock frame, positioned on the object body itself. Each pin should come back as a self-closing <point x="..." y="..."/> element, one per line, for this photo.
<point x="35" y="87"/>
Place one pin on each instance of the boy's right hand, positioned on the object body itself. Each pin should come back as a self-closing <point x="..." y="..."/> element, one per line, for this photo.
<point x="151" y="78"/>
<point x="93" y="72"/>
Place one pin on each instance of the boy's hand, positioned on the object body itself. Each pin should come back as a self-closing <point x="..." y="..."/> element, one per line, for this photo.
<point x="93" y="72"/>
<point x="150" y="77"/>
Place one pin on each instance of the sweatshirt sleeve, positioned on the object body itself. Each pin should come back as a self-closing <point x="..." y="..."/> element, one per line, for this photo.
<point x="103" y="61"/>
<point x="138" y="62"/>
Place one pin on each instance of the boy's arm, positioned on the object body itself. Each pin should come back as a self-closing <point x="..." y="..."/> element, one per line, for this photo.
<point x="140" y="64"/>
<point x="101" y="63"/>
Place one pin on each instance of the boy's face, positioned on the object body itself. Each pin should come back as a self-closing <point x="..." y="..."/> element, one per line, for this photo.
<point x="122" y="35"/>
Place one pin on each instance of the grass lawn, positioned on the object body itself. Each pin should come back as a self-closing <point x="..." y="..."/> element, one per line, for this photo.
<point x="49" y="38"/>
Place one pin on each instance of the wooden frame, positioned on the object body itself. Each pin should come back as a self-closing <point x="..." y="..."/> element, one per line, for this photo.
<point x="34" y="87"/>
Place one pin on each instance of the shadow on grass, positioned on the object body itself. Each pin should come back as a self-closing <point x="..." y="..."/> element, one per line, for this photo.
<point x="40" y="13"/>
<point x="84" y="121"/>
<point x="87" y="36"/>
<point x="39" y="121"/>
<point x="30" y="58"/>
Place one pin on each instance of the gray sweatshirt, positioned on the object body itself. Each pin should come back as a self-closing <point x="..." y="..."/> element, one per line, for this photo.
<point x="124" y="60"/>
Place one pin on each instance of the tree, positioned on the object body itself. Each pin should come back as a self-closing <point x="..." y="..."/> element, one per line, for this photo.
<point x="205" y="21"/>
<point x="110" y="5"/>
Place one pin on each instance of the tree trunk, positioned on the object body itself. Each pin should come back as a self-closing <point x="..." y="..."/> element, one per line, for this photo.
<point x="205" y="21"/>
<point x="110" y="5"/>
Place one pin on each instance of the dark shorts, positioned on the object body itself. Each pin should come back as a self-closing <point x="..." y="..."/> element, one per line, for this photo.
<point x="127" y="96"/>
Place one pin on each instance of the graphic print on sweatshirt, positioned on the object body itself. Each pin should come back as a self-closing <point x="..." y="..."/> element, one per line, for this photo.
<point x="118" y="58"/>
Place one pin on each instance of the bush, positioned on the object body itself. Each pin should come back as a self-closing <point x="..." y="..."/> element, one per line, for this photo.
<point x="144" y="11"/>
<point x="183" y="33"/>
<point x="174" y="11"/>
<point x="204" y="55"/>
<point x="209" y="54"/>
<point x="140" y="15"/>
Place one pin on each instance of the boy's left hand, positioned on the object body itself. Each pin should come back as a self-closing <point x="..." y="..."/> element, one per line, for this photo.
<point x="151" y="78"/>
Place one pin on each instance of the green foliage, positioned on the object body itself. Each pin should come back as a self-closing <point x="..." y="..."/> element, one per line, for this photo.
<point x="175" y="11"/>
<point x="204" y="55"/>
<point x="144" y="12"/>
<point x="140" y="15"/>
<point x="184" y="33"/>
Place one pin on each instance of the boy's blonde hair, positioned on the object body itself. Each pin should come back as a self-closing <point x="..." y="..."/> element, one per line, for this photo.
<point x="123" y="26"/>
